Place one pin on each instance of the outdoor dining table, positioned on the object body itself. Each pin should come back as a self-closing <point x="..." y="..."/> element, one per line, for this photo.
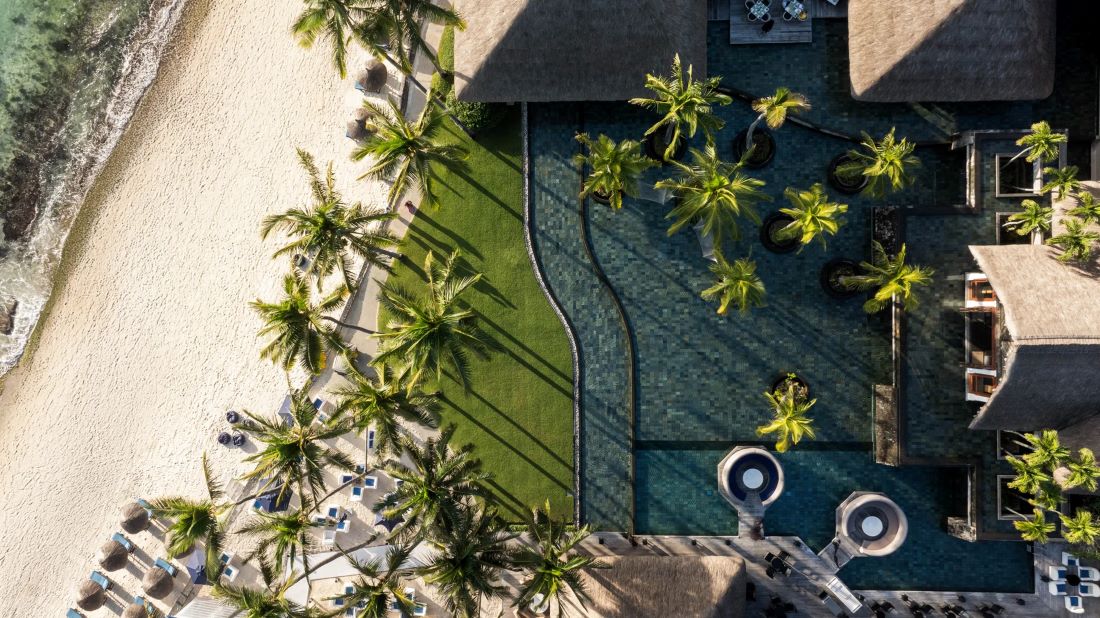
<point x="794" y="8"/>
<point x="757" y="9"/>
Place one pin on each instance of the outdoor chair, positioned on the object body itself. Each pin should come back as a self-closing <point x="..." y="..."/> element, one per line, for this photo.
<point x="170" y="568"/>
<point x="74" y="614"/>
<point x="1088" y="574"/>
<point x="1075" y="605"/>
<point x="1056" y="588"/>
<point x="123" y="541"/>
<point x="1070" y="560"/>
<point x="1088" y="590"/>
<point x="1057" y="572"/>
<point x="328" y="537"/>
<point x="100" y="579"/>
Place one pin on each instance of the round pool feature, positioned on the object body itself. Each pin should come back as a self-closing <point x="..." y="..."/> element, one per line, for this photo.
<point x="752" y="478"/>
<point x="871" y="524"/>
<point x="750" y="471"/>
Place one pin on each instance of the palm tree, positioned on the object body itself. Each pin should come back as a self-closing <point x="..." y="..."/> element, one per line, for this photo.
<point x="813" y="214"/>
<point x="393" y="26"/>
<point x="551" y="566"/>
<point x="267" y="602"/>
<point x="790" y="420"/>
<point x="893" y="278"/>
<point x="885" y="163"/>
<point x="328" y="230"/>
<point x="1081" y="529"/>
<point x="1082" y="471"/>
<point x="684" y="104"/>
<point x="736" y="284"/>
<point x="437" y="485"/>
<point x="1034" y="220"/>
<point x="1035" y="529"/>
<point x="1088" y="209"/>
<point x="195" y="521"/>
<point x="377" y="587"/>
<point x="383" y="403"/>
<point x="335" y="20"/>
<point x="615" y="168"/>
<point x="1063" y="181"/>
<point x="1042" y="144"/>
<point x="1046" y="450"/>
<point x="1029" y="478"/>
<point x="294" y="452"/>
<point x="281" y="537"/>
<point x="470" y="557"/>
<point x="405" y="151"/>
<point x="432" y="332"/>
<point x="1076" y="242"/>
<point x="774" y="110"/>
<point x="297" y="325"/>
<point x="714" y="192"/>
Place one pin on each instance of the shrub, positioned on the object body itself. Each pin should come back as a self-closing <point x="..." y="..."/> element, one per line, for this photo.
<point x="446" y="55"/>
<point x="474" y="115"/>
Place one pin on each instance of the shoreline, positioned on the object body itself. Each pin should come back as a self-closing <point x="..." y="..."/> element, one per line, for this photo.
<point x="147" y="337"/>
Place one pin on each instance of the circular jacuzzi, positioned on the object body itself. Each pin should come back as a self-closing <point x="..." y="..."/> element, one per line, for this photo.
<point x="749" y="471"/>
<point x="872" y="524"/>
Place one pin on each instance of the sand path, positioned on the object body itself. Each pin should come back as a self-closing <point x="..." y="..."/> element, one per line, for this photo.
<point x="150" y="338"/>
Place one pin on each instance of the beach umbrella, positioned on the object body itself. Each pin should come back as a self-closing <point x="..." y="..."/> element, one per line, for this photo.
<point x="373" y="79"/>
<point x="135" y="610"/>
<point x="388" y="524"/>
<point x="90" y="596"/>
<point x="112" y="556"/>
<point x="134" y="518"/>
<point x="355" y="130"/>
<point x="157" y="583"/>
<point x="196" y="567"/>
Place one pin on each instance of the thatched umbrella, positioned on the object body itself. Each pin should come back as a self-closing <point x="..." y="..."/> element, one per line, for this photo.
<point x="134" y="518"/>
<point x="157" y="583"/>
<point x="135" y="610"/>
<point x="355" y="130"/>
<point x="90" y="596"/>
<point x="373" y="79"/>
<point x="112" y="556"/>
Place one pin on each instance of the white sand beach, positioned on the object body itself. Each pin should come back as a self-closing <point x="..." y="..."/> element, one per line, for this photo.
<point x="150" y="337"/>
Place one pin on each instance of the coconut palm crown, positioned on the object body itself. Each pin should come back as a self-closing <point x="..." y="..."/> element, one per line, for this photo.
<point x="433" y="332"/>
<point x="1035" y="529"/>
<point x="892" y="279"/>
<point x="614" y="168"/>
<point x="281" y="538"/>
<point x="814" y="216"/>
<point x="735" y="284"/>
<point x="684" y="103"/>
<point x="774" y="110"/>
<point x="1034" y="220"/>
<point x="267" y="602"/>
<point x="886" y="163"/>
<point x="1042" y="143"/>
<point x="551" y="566"/>
<point x="1063" y="181"/>
<point x="404" y="152"/>
<point x="1087" y="209"/>
<point x="332" y="20"/>
<point x="714" y="192"/>
<point x="790" y="422"/>
<point x="1076" y="241"/>
<point x="300" y="332"/>
<point x="394" y="27"/>
<point x="328" y="230"/>
<point x="196" y="521"/>
<point x="378" y="585"/>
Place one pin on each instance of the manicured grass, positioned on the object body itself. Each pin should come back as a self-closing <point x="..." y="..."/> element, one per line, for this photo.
<point x="518" y="413"/>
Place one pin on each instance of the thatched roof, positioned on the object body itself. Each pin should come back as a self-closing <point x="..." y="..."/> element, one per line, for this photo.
<point x="135" y="610"/>
<point x="1052" y="353"/>
<point x="90" y="596"/>
<point x="157" y="583"/>
<point x="373" y="77"/>
<point x="112" y="556"/>
<point x="134" y="518"/>
<point x="951" y="50"/>
<point x="661" y="586"/>
<point x="529" y="50"/>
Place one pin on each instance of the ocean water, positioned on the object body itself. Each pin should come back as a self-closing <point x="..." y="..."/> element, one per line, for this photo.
<point x="71" y="74"/>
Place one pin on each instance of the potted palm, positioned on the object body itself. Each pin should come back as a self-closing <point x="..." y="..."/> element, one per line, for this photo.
<point x="756" y="147"/>
<point x="884" y="166"/>
<point x="685" y="106"/>
<point x="736" y="284"/>
<point x="790" y="380"/>
<point x="833" y="275"/>
<point x="811" y="215"/>
<point x="615" y="169"/>
<point x="789" y="420"/>
<point x="892" y="279"/>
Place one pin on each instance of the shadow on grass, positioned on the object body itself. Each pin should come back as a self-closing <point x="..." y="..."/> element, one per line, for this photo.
<point x="457" y="240"/>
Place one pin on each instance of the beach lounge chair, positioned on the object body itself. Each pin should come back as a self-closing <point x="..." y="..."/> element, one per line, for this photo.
<point x="74" y="614"/>
<point x="1088" y="590"/>
<point x="370" y="482"/>
<point x="229" y="570"/>
<point x="420" y="610"/>
<point x="123" y="541"/>
<point x="167" y="566"/>
<point x="344" y="525"/>
<point x="145" y="505"/>
<point x="1075" y="605"/>
<point x="357" y="493"/>
<point x="100" y="579"/>
<point x="333" y="511"/>
<point x="1088" y="574"/>
<point x="1056" y="588"/>
<point x="1070" y="560"/>
<point x="328" y="537"/>
<point x="1057" y="572"/>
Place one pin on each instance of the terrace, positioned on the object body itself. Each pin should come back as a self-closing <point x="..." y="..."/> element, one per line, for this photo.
<point x="668" y="387"/>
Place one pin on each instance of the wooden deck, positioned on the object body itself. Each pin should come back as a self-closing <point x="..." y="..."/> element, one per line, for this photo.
<point x="745" y="32"/>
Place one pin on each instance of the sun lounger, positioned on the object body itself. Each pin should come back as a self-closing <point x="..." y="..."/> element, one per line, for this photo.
<point x="100" y="579"/>
<point x="328" y="537"/>
<point x="343" y="525"/>
<point x="357" y="493"/>
<point x="1056" y="588"/>
<point x="1088" y="590"/>
<point x="1075" y="605"/>
<point x="74" y="614"/>
<point x="145" y="505"/>
<point x="370" y="482"/>
<point x="333" y="511"/>
<point x="1057" y="572"/>
<point x="123" y="541"/>
<point x="1088" y="574"/>
<point x="1070" y="560"/>
<point x="166" y="566"/>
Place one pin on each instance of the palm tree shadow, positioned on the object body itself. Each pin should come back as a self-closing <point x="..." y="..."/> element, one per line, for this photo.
<point x="519" y="344"/>
<point x="460" y="242"/>
<point x="483" y="286"/>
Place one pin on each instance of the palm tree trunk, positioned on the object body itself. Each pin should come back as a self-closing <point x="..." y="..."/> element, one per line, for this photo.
<point x="752" y="129"/>
<point x="351" y="326"/>
<point x="427" y="92"/>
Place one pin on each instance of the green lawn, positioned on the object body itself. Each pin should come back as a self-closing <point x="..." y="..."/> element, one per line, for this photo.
<point x="518" y="413"/>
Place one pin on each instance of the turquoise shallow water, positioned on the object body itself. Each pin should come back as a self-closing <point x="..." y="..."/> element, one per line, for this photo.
<point x="71" y="73"/>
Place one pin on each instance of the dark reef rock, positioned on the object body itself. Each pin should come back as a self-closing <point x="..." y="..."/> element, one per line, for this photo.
<point x="7" y="316"/>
